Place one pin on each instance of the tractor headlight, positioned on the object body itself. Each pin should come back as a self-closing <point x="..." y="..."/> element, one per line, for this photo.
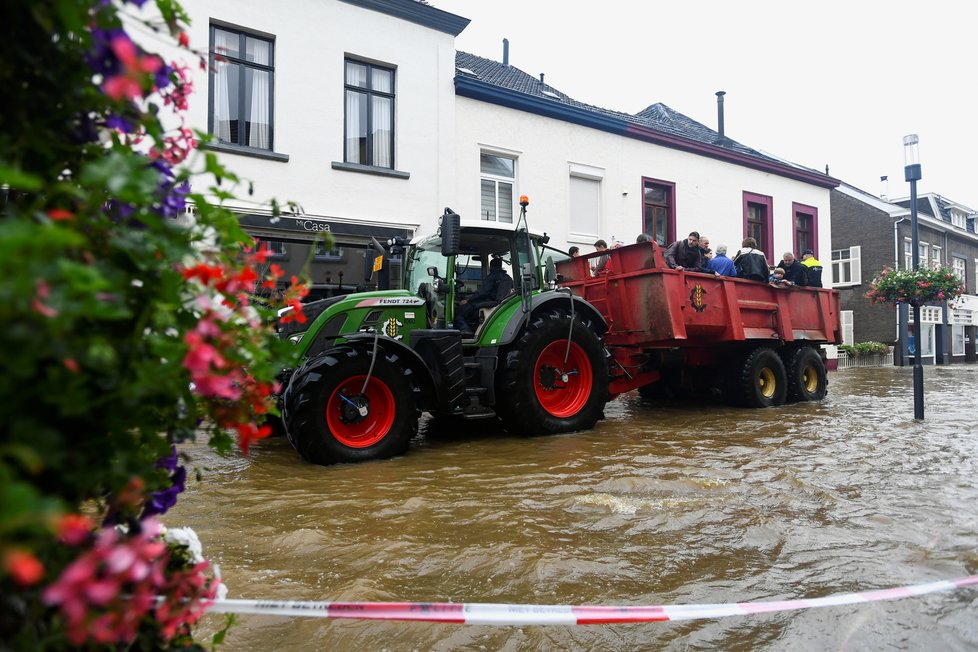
<point x="295" y="339"/>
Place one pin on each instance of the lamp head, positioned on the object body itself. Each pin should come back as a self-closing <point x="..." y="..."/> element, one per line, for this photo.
<point x="911" y="157"/>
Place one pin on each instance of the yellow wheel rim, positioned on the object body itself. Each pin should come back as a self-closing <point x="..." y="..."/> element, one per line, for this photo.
<point x="767" y="382"/>
<point x="809" y="379"/>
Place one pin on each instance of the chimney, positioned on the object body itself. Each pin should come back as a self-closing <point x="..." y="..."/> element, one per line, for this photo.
<point x="541" y="77"/>
<point x="720" y="95"/>
<point x="884" y="188"/>
<point x="506" y="52"/>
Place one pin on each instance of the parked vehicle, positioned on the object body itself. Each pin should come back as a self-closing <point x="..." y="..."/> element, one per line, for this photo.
<point x="549" y="356"/>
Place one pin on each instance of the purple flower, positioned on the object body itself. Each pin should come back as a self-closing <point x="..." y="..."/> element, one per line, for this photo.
<point x="102" y="59"/>
<point x="160" y="502"/>
<point x="120" y="123"/>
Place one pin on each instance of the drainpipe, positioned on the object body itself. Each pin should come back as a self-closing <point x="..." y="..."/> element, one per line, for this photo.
<point x="896" y="265"/>
<point x="720" y="95"/>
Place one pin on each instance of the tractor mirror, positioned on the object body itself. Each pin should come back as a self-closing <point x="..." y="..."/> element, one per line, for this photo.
<point x="451" y="233"/>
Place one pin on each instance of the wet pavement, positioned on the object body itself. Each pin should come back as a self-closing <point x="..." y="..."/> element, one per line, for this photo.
<point x="662" y="503"/>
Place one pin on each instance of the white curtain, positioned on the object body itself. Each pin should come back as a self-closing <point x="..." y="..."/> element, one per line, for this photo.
<point x="353" y="101"/>
<point x="356" y="75"/>
<point x="259" y="119"/>
<point x="382" y="121"/>
<point x="223" y="44"/>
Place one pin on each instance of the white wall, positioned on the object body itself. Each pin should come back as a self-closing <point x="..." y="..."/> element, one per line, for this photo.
<point x="311" y="39"/>
<point x="709" y="193"/>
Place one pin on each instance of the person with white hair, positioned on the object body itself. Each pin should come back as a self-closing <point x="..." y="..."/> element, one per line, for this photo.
<point x="721" y="264"/>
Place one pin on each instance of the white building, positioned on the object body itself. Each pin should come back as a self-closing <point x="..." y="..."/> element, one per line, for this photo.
<point x="363" y="113"/>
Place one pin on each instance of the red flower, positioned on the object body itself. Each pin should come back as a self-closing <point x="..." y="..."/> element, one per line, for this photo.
<point x="184" y="40"/>
<point x="59" y="214"/>
<point x="73" y="529"/>
<point x="23" y="567"/>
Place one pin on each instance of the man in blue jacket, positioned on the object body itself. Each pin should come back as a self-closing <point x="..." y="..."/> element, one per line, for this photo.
<point x="721" y="264"/>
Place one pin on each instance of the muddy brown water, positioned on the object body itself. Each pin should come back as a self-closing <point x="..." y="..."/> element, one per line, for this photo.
<point x="662" y="503"/>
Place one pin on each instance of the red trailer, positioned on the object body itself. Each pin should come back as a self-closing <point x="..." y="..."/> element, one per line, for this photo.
<point x="671" y="332"/>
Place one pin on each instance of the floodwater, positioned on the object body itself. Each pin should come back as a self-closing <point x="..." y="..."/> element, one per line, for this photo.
<point x="662" y="503"/>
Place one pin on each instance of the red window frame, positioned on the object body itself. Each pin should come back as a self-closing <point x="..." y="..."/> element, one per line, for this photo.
<point x="812" y="213"/>
<point x="767" y="246"/>
<point x="670" y="188"/>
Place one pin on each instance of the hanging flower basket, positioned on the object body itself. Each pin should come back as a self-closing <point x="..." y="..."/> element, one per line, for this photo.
<point x="915" y="288"/>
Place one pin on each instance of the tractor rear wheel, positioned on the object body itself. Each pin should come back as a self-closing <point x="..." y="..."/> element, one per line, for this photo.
<point x="806" y="375"/>
<point x="547" y="386"/>
<point x="331" y="417"/>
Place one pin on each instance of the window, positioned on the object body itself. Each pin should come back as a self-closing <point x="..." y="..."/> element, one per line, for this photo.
<point x="659" y="216"/>
<point x="585" y="206"/>
<point x="369" y="113"/>
<point x="276" y="248"/>
<point x="935" y="257"/>
<point x="907" y="254"/>
<point x="959" y="219"/>
<point x="845" y="316"/>
<point x="497" y="189"/>
<point x="322" y="253"/>
<point x="242" y="73"/>
<point x="806" y="228"/>
<point x="758" y="221"/>
<point x="922" y="255"/>
<point x="957" y="340"/>
<point x="958" y="263"/>
<point x="846" y="268"/>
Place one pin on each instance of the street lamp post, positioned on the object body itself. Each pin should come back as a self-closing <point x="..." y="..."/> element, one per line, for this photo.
<point x="911" y="159"/>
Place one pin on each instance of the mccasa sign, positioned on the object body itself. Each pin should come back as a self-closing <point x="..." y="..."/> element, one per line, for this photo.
<point x="310" y="225"/>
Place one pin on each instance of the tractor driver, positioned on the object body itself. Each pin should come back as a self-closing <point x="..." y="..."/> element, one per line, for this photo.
<point x="494" y="289"/>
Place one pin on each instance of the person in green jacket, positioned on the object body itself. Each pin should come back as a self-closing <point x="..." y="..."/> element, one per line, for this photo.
<point x="814" y="270"/>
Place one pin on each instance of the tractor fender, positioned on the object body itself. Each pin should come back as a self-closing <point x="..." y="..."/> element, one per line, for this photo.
<point x="420" y="373"/>
<point x="549" y="301"/>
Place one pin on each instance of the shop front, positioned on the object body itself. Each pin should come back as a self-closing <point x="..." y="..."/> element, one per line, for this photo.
<point x="336" y="256"/>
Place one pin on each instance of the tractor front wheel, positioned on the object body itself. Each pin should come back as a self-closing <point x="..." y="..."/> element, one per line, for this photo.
<point x="338" y="409"/>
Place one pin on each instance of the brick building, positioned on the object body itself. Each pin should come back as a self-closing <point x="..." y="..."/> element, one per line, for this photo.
<point x="868" y="234"/>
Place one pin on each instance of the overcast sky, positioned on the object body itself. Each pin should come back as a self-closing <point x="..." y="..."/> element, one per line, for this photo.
<point x="817" y="83"/>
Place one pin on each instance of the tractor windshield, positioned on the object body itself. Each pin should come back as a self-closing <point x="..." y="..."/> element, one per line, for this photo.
<point x="423" y="255"/>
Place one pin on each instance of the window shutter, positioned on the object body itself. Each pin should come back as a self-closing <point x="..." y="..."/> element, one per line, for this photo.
<point x="845" y="316"/>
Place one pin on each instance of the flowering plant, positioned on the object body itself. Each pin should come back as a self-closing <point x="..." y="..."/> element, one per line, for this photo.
<point x="129" y="326"/>
<point x="915" y="288"/>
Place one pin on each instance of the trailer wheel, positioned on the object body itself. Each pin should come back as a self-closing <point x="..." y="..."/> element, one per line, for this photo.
<point x="806" y="375"/>
<point x="759" y="380"/>
<point x="329" y="420"/>
<point x="538" y="393"/>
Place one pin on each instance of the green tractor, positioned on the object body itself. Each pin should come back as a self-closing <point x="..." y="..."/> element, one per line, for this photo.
<point x="372" y="362"/>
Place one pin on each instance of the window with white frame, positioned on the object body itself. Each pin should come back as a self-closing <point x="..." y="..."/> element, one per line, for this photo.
<point x="958" y="264"/>
<point x="369" y="113"/>
<point x="498" y="182"/>
<point x="242" y="74"/>
<point x="959" y="219"/>
<point x="846" y="266"/>
<point x="585" y="201"/>
<point x="935" y="257"/>
<point x="907" y="254"/>
<point x="848" y="337"/>
<point x="957" y="340"/>
<point x="922" y="255"/>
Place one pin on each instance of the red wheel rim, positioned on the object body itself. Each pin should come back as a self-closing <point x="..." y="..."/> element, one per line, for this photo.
<point x="562" y="399"/>
<point x="349" y="428"/>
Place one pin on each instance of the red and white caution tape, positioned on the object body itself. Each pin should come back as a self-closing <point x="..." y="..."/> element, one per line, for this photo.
<point x="515" y="614"/>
